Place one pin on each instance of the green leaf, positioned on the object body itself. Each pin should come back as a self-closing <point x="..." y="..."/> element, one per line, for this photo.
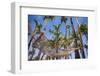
<point x="83" y="28"/>
<point x="45" y="21"/>
<point x="51" y="31"/>
<point x="68" y="26"/>
<point x="39" y="26"/>
<point x="59" y="26"/>
<point x="63" y="19"/>
<point x="36" y="22"/>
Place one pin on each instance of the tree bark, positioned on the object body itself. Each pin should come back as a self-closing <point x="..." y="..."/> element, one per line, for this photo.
<point x="77" y="55"/>
<point x="80" y="36"/>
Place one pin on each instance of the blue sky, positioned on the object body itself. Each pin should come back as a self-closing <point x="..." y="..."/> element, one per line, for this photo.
<point x="56" y="21"/>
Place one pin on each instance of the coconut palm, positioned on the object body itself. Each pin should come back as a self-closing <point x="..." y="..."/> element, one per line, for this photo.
<point x="56" y="33"/>
<point x="36" y="30"/>
<point x="64" y="19"/>
<point x="84" y="30"/>
<point x="46" y="18"/>
<point x="31" y="33"/>
<point x="39" y="26"/>
<point x="80" y="37"/>
<point x="34" y="41"/>
<point x="77" y="55"/>
<point x="60" y="45"/>
<point x="68" y="26"/>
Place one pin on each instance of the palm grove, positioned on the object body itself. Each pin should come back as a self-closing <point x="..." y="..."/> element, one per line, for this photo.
<point x="57" y="45"/>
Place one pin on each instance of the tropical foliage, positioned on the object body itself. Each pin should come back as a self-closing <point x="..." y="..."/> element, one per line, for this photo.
<point x="57" y="37"/>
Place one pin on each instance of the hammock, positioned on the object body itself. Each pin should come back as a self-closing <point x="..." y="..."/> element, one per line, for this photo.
<point x="62" y="53"/>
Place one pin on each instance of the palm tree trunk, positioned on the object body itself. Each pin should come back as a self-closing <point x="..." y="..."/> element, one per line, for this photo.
<point x="30" y="42"/>
<point x="65" y="46"/>
<point x="57" y="51"/>
<point x="77" y="55"/>
<point x="42" y="56"/>
<point x="82" y="49"/>
<point x="31" y="33"/>
<point x="86" y="35"/>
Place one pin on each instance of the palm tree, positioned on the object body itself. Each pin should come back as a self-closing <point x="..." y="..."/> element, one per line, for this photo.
<point x="57" y="36"/>
<point x="31" y="34"/>
<point x="46" y="18"/>
<point x="56" y="33"/>
<point x="80" y="36"/>
<point x="64" y="19"/>
<point x="37" y="43"/>
<point x="68" y="26"/>
<point x="36" y="30"/>
<point x="84" y="30"/>
<point x="67" y="37"/>
<point x="77" y="55"/>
